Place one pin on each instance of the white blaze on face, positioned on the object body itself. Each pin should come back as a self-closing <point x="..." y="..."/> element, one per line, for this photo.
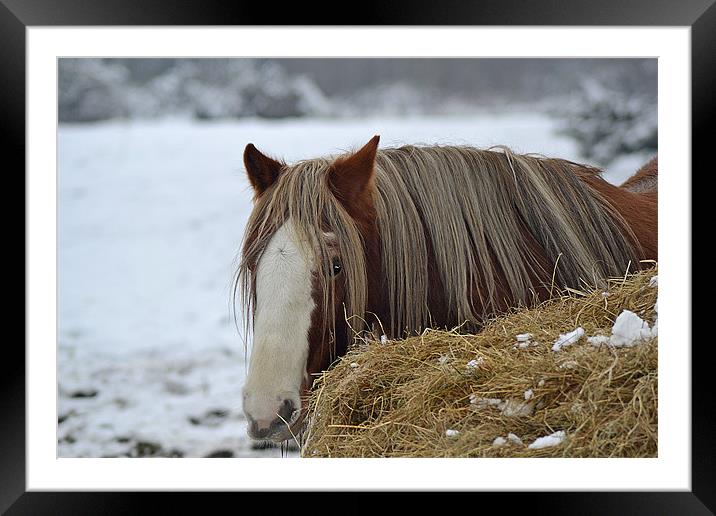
<point x="281" y="323"/>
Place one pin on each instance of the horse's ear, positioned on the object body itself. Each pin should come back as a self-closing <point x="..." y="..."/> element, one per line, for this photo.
<point x="351" y="178"/>
<point x="262" y="170"/>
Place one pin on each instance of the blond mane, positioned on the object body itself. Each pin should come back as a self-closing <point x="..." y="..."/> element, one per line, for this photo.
<point x="471" y="207"/>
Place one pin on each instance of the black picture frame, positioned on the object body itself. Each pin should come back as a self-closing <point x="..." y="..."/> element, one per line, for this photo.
<point x="17" y="15"/>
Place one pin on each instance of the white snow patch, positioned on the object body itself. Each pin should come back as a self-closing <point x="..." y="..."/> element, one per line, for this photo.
<point x="523" y="341"/>
<point x="452" y="433"/>
<point x="514" y="439"/>
<point x="383" y="339"/>
<point x="499" y="442"/>
<point x="173" y="401"/>
<point x="598" y="340"/>
<point x="567" y="339"/>
<point x="654" y="281"/>
<point x="548" y="441"/>
<point x="528" y="394"/>
<point x="629" y="330"/>
<point x="475" y="363"/>
<point x="354" y="364"/>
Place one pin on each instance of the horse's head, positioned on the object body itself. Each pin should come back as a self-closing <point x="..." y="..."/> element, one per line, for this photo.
<point x="309" y="245"/>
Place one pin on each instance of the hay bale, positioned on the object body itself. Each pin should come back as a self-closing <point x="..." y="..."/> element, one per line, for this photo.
<point x="446" y="394"/>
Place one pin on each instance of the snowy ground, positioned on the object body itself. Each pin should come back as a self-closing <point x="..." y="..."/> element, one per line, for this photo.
<point x="150" y="219"/>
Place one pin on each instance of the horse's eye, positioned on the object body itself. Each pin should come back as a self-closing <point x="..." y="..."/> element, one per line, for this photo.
<point x="336" y="266"/>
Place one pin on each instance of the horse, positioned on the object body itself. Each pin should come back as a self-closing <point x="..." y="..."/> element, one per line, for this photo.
<point x="645" y="179"/>
<point x="396" y="240"/>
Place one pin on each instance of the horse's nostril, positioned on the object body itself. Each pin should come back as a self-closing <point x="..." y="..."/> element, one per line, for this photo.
<point x="286" y="410"/>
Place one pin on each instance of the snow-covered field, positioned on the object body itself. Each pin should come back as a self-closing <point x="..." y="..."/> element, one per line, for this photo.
<point x="150" y="220"/>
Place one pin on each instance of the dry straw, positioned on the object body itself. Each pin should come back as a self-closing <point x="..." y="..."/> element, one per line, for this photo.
<point x="418" y="397"/>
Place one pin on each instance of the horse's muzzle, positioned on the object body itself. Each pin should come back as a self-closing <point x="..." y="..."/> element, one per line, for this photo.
<point x="277" y="429"/>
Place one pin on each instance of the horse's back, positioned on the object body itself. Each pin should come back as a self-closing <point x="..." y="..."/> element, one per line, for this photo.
<point x="646" y="178"/>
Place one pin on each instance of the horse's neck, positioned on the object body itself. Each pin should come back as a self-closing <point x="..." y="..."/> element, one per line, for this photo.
<point x="640" y="211"/>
